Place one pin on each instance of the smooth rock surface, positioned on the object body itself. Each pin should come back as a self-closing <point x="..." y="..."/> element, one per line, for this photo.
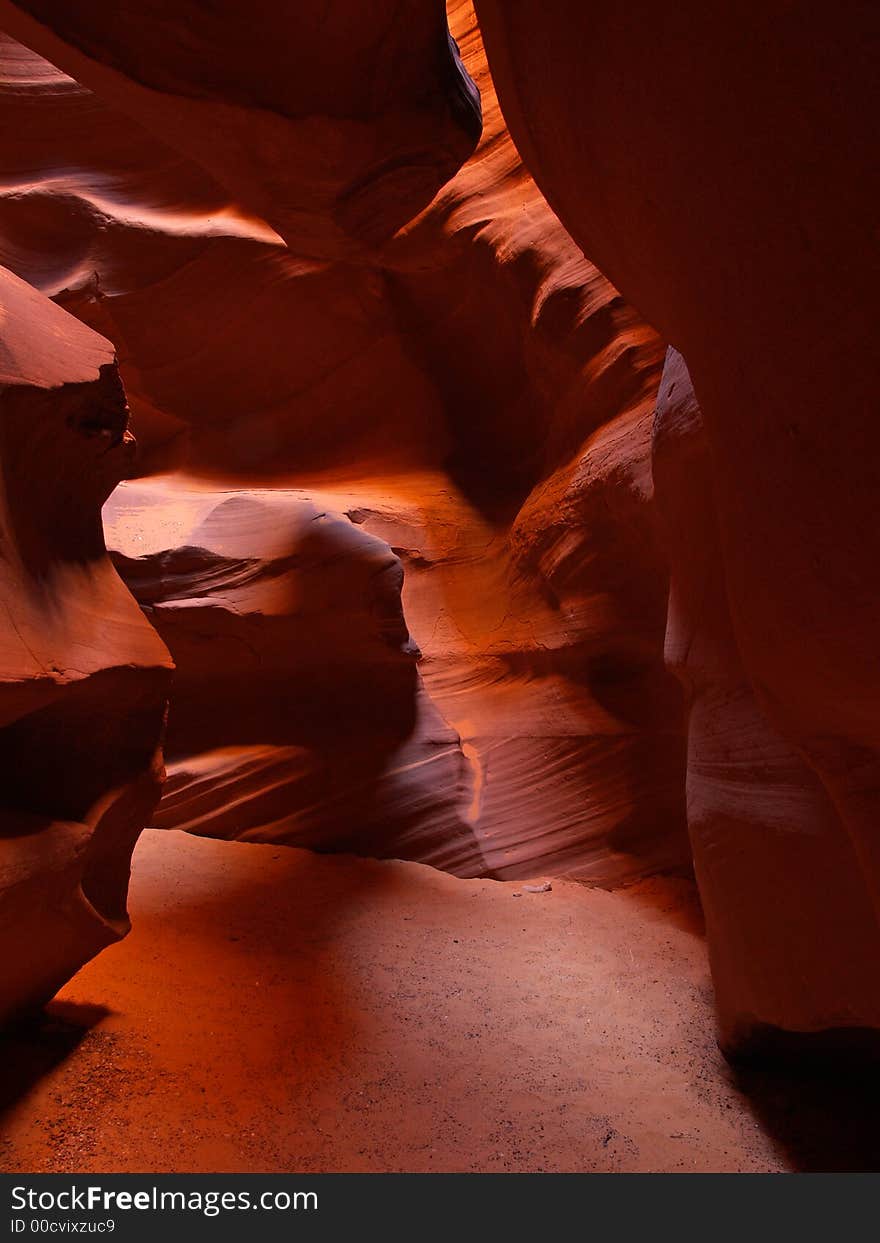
<point x="719" y="164"/>
<point x="83" y="677"/>
<point x="477" y="398"/>
<point x="769" y="845"/>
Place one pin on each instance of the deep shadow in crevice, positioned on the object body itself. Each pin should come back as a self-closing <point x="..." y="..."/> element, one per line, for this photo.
<point x="36" y="1045"/>
<point x="818" y="1096"/>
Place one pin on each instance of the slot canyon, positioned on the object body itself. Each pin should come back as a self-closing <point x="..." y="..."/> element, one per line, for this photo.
<point x="439" y="683"/>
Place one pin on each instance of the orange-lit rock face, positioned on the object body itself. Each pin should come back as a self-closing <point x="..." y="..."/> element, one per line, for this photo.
<point x="83" y="678"/>
<point x="334" y="124"/>
<point x="463" y="398"/>
<point x="721" y="170"/>
<point x="299" y="715"/>
<point x="770" y="848"/>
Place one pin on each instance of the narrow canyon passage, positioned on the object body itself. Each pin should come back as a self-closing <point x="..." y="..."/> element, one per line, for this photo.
<point x="439" y="699"/>
<point x="275" y="1010"/>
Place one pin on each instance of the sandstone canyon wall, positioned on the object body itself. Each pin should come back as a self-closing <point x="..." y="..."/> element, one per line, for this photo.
<point x="393" y="510"/>
<point x="83" y="677"/>
<point x="393" y="513"/>
<point x="782" y="890"/>
<point x="718" y="164"/>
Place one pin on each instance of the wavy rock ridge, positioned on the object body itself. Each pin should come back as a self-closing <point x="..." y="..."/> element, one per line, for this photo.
<point x="394" y="515"/>
<point x="721" y="169"/>
<point x="464" y="398"/>
<point x="83" y="678"/>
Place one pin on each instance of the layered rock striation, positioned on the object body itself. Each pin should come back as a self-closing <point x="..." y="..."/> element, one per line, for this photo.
<point x="83" y="677"/>
<point x="459" y="391"/>
<point x="719" y="167"/>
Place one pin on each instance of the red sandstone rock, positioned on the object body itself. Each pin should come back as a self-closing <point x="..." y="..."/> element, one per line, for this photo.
<point x="447" y="375"/>
<point x="719" y="167"/>
<point x="770" y="848"/>
<point x="298" y="715"/>
<point x="477" y="399"/>
<point x="83" y="678"/>
<point x="334" y="124"/>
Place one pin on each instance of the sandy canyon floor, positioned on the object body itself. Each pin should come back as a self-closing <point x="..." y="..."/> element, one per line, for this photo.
<point x="274" y="1010"/>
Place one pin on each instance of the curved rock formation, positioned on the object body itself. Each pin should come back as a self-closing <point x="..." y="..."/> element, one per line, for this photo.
<point x="468" y="391"/>
<point x="335" y="125"/>
<point x="83" y="678"/>
<point x="298" y="714"/>
<point x="770" y="850"/>
<point x="719" y="166"/>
